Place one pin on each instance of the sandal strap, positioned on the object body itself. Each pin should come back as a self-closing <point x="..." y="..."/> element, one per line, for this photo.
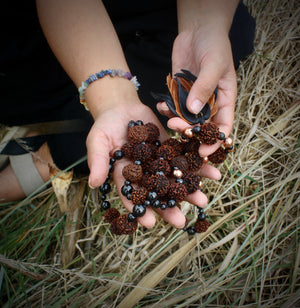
<point x="26" y="173"/>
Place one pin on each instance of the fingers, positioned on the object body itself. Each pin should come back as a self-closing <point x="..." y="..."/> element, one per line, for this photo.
<point x="163" y="109"/>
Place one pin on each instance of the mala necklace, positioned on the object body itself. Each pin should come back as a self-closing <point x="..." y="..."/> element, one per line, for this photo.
<point x="161" y="175"/>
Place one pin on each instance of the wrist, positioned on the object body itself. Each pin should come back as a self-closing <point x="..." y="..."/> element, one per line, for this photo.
<point x="108" y="93"/>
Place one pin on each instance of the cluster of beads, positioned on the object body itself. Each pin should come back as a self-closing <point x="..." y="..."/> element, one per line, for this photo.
<point x="161" y="175"/>
<point x="101" y="74"/>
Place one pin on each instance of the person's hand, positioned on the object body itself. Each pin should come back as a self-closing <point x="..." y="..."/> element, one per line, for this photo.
<point x="107" y="135"/>
<point x="206" y="52"/>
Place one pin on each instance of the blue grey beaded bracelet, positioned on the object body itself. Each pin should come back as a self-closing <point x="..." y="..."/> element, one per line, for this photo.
<point x="101" y="74"/>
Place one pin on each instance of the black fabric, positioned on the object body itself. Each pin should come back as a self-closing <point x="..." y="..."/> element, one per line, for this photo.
<point x="35" y="88"/>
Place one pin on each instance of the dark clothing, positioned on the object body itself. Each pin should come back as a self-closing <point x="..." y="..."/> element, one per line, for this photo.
<point x="35" y="88"/>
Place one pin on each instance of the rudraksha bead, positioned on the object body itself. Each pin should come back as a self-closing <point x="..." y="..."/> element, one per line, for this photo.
<point x="137" y="134"/>
<point x="133" y="172"/>
<point x="194" y="160"/>
<point x="111" y="214"/>
<point x="160" y="165"/>
<point x="122" y="225"/>
<point x="209" y="133"/>
<point x="191" y="181"/>
<point x="128" y="149"/>
<point x="139" y="195"/>
<point x="165" y="152"/>
<point x="177" y="191"/>
<point x="142" y="152"/>
<point x="175" y="144"/>
<point x="201" y="225"/>
<point x="179" y="162"/>
<point x="218" y="156"/>
<point x="153" y="132"/>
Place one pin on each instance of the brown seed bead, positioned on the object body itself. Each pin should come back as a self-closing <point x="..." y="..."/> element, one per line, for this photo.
<point x="133" y="172"/>
<point x="228" y="142"/>
<point x="128" y="149"/>
<point x="177" y="191"/>
<point x="218" y="156"/>
<point x="209" y="133"/>
<point x="188" y="132"/>
<point x="192" y="146"/>
<point x="194" y="160"/>
<point x="160" y="165"/>
<point x="179" y="162"/>
<point x="111" y="214"/>
<point x="160" y="184"/>
<point x="137" y="134"/>
<point x="201" y="225"/>
<point x="175" y="144"/>
<point x="142" y="152"/>
<point x="166" y="152"/>
<point x="191" y="181"/>
<point x="153" y="132"/>
<point x="139" y="195"/>
<point x="122" y="225"/>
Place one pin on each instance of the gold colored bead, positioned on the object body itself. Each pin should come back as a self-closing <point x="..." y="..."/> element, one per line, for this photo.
<point x="200" y="184"/>
<point x="228" y="142"/>
<point x="177" y="173"/>
<point x="188" y="133"/>
<point x="205" y="160"/>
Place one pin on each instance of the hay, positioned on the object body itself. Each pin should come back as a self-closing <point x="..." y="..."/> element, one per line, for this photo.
<point x="249" y="256"/>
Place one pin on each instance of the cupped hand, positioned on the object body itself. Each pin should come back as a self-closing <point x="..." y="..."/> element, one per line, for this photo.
<point x="207" y="54"/>
<point x="107" y="135"/>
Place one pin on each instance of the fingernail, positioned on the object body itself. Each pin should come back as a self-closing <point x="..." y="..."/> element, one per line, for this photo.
<point x="91" y="187"/>
<point x="196" y="106"/>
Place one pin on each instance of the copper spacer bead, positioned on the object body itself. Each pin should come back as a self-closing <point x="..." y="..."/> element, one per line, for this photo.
<point x="228" y="142"/>
<point x="178" y="173"/>
<point x="205" y="160"/>
<point x="188" y="132"/>
<point x="200" y="184"/>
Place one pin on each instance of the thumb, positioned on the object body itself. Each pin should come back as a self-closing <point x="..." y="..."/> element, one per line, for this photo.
<point x="203" y="88"/>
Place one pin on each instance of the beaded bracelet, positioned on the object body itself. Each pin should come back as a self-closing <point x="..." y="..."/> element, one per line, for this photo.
<point x="101" y="74"/>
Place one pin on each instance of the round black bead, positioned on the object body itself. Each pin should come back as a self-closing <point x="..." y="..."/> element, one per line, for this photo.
<point x="201" y="216"/>
<point x="139" y="122"/>
<point x="103" y="197"/>
<point x="196" y="130"/>
<point x="126" y="189"/>
<point x="163" y="206"/>
<point x="112" y="161"/>
<point x="171" y="203"/>
<point x="147" y="203"/>
<point x="131" y="124"/>
<point x="105" y="205"/>
<point x="190" y="230"/>
<point x="138" y="162"/>
<point x="139" y="210"/>
<point x="157" y="143"/>
<point x="127" y="182"/>
<point x="222" y="136"/>
<point x="152" y="196"/>
<point x="200" y="210"/>
<point x="118" y="154"/>
<point x="156" y="204"/>
<point x="131" y="217"/>
<point x="180" y="181"/>
<point x="110" y="167"/>
<point x="230" y="149"/>
<point x="105" y="188"/>
<point x="128" y="196"/>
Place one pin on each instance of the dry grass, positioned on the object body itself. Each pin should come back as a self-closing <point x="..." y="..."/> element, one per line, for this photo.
<point x="250" y="255"/>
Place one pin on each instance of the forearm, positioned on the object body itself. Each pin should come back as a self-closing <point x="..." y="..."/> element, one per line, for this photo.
<point x="84" y="41"/>
<point x="205" y="13"/>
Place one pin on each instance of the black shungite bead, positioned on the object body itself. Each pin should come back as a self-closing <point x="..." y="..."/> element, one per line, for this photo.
<point x="112" y="160"/>
<point x="139" y="210"/>
<point x="110" y="167"/>
<point x="190" y="230"/>
<point x="105" y="188"/>
<point x="196" y="130"/>
<point x="147" y="202"/>
<point x="171" y="203"/>
<point x="105" y="205"/>
<point x="180" y="181"/>
<point x="157" y="143"/>
<point x="118" y="154"/>
<point x="137" y="162"/>
<point x="131" y="124"/>
<point x="139" y="122"/>
<point x="131" y="217"/>
<point x="128" y="196"/>
<point x="156" y="204"/>
<point x="126" y="189"/>
<point x="103" y="197"/>
<point x="163" y="206"/>
<point x="152" y="196"/>
<point x="127" y="182"/>
<point x="200" y="210"/>
<point x="229" y="149"/>
<point x="201" y="216"/>
<point x="222" y="136"/>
